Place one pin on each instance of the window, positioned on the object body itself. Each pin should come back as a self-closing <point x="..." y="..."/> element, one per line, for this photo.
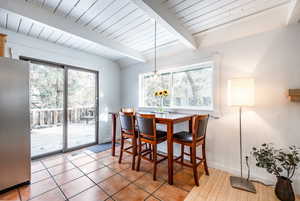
<point x="189" y="87"/>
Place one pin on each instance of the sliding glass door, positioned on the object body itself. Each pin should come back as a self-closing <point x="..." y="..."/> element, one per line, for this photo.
<point x="64" y="108"/>
<point x="46" y="108"/>
<point x="82" y="107"/>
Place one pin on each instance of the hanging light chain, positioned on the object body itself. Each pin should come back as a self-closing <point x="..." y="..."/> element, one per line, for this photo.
<point x="155" y="59"/>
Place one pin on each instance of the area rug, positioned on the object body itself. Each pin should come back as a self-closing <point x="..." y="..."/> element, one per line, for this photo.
<point x="101" y="147"/>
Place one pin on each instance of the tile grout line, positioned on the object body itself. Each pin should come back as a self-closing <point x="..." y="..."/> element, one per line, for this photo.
<point x="55" y="183"/>
<point x="84" y="174"/>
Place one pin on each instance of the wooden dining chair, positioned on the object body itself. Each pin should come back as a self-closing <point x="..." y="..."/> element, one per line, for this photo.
<point x="148" y="134"/>
<point x="193" y="140"/>
<point x="128" y="131"/>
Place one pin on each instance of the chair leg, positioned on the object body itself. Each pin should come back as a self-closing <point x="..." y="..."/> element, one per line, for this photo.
<point x="150" y="148"/>
<point x="139" y="154"/>
<point x="134" y="148"/>
<point x="154" y="160"/>
<point x="191" y="154"/>
<point x="182" y="154"/>
<point x="194" y="163"/>
<point x="204" y="160"/>
<point x="121" y="149"/>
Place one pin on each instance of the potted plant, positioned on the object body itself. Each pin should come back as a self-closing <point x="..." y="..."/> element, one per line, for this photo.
<point x="282" y="164"/>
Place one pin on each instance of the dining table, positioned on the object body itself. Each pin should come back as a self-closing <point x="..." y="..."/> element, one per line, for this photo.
<point x="168" y="119"/>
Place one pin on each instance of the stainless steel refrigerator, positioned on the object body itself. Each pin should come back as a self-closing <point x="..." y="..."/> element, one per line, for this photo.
<point x="14" y="123"/>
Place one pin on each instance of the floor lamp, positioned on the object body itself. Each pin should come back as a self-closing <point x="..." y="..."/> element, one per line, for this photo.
<point x="241" y="94"/>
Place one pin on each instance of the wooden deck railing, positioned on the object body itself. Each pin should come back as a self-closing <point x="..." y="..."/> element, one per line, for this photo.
<point x="49" y="117"/>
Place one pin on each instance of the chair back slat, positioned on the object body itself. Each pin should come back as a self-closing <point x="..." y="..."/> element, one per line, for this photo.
<point x="146" y="125"/>
<point x="127" y="122"/>
<point x="200" y="125"/>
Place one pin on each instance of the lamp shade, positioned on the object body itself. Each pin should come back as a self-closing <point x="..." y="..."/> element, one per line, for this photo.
<point x="241" y="92"/>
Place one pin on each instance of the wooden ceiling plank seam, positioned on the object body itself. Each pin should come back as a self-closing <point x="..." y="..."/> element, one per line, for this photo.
<point x="293" y="13"/>
<point x="32" y="24"/>
<point x="40" y="32"/>
<point x="70" y="11"/>
<point x="150" y="41"/>
<point x="145" y="51"/>
<point x="218" y="12"/>
<point x="66" y="41"/>
<point x="51" y="5"/>
<point x="127" y="22"/>
<point x="99" y="13"/>
<point x="177" y="4"/>
<point x="25" y="26"/>
<point x="50" y="35"/>
<point x="36" y="30"/>
<point x="195" y="10"/>
<point x="91" y="6"/>
<point x="147" y="45"/>
<point x="57" y="6"/>
<point x="119" y="16"/>
<point x="124" y="6"/>
<point x="59" y="37"/>
<point x="62" y="38"/>
<point x="218" y="23"/>
<point x="80" y="8"/>
<point x="65" y="7"/>
<point x="193" y="4"/>
<point x="149" y="35"/>
<point x="6" y="20"/>
<point x="206" y="12"/>
<point x="131" y="25"/>
<point x="20" y="22"/>
<point x="123" y="35"/>
<point x="118" y="21"/>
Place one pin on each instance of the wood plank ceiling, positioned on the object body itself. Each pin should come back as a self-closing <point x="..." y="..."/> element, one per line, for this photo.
<point x="203" y="15"/>
<point x="123" y="22"/>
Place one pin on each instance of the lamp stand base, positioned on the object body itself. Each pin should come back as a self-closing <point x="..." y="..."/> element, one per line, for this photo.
<point x="242" y="184"/>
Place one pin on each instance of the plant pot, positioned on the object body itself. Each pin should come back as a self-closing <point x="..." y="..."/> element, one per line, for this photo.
<point x="284" y="189"/>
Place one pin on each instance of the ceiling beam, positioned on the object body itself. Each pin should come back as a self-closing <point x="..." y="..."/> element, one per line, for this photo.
<point x="155" y="9"/>
<point x="43" y="16"/>
<point x="294" y="12"/>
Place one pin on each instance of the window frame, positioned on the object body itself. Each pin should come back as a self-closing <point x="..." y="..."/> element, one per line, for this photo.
<point x="215" y="87"/>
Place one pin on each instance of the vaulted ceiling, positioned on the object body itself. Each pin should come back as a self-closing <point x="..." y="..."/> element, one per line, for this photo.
<point x="125" y="28"/>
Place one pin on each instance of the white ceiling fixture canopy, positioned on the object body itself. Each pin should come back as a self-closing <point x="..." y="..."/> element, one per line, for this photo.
<point x="294" y="12"/>
<point x="157" y="10"/>
<point x="46" y="17"/>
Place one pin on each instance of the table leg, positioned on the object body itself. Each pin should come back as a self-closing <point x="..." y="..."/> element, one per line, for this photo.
<point x="170" y="152"/>
<point x="113" y="141"/>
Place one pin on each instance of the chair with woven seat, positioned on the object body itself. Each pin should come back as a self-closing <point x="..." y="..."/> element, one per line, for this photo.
<point x="128" y="131"/>
<point x="193" y="140"/>
<point x="147" y="133"/>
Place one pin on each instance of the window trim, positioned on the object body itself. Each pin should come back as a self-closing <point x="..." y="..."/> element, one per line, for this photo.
<point x="214" y="64"/>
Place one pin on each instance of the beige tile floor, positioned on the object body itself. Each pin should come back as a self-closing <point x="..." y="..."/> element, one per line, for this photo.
<point x="85" y="176"/>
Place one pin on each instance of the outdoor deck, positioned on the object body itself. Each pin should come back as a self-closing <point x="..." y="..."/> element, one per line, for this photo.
<point x="44" y="140"/>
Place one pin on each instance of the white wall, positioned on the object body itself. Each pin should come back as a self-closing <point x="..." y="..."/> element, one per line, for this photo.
<point x="109" y="71"/>
<point x="273" y="59"/>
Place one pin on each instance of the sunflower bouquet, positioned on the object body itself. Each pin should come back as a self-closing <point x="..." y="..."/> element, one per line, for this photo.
<point x="161" y="94"/>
